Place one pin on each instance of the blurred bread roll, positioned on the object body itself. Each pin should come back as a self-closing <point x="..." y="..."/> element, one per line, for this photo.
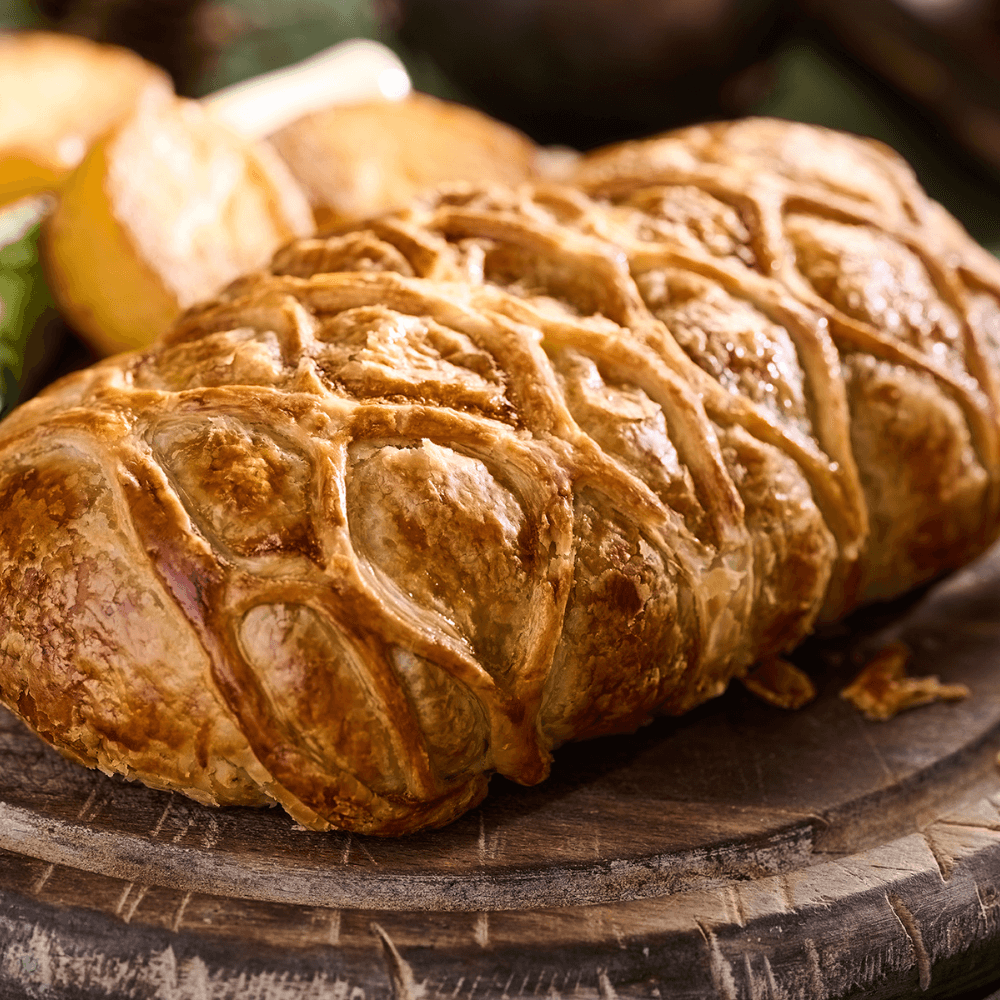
<point x="60" y="93"/>
<point x="165" y="210"/>
<point x="358" y="160"/>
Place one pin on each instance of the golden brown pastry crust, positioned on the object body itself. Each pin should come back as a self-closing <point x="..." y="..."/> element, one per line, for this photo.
<point x="504" y="469"/>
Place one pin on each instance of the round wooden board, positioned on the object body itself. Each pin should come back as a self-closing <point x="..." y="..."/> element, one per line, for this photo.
<point x="738" y="852"/>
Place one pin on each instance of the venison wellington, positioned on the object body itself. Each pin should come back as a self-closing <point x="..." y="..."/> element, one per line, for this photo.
<point x="513" y="466"/>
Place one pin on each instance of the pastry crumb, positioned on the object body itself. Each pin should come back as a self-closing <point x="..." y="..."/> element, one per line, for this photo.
<point x="780" y="683"/>
<point x="883" y="689"/>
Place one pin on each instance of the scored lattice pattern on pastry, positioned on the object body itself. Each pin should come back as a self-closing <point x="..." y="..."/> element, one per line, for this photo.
<point x="507" y="468"/>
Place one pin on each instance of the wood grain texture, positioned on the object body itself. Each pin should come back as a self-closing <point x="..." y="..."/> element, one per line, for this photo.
<point x="739" y="852"/>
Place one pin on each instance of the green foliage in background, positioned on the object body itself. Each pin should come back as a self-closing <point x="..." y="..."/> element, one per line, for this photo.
<point x="19" y="14"/>
<point x="260" y="35"/>
<point x="24" y="298"/>
<point x="813" y="87"/>
<point x="255" y="36"/>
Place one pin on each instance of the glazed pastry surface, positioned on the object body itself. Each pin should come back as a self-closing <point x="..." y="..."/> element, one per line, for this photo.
<point x="510" y="467"/>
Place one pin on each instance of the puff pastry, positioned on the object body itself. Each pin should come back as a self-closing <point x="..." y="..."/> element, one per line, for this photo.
<point x="441" y="491"/>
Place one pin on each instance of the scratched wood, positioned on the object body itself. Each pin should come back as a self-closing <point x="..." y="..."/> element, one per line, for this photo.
<point x="739" y="852"/>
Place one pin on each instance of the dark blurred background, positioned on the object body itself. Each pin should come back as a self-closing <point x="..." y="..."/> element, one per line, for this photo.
<point x="920" y="75"/>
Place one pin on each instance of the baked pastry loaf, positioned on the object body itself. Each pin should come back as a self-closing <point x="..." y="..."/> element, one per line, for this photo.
<point x="442" y="491"/>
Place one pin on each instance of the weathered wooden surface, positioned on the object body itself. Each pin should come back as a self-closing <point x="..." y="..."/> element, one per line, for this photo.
<point x="740" y="852"/>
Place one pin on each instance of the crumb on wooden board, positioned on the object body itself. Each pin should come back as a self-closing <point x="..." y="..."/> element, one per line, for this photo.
<point x="780" y="683"/>
<point x="882" y="689"/>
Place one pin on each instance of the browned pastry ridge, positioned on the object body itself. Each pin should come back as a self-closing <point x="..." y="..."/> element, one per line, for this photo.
<point x="505" y="469"/>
